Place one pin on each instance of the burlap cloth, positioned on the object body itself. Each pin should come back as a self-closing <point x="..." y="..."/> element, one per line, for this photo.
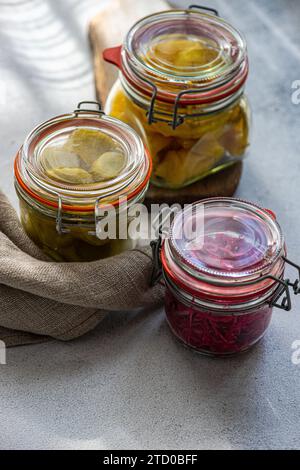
<point x="41" y="299"/>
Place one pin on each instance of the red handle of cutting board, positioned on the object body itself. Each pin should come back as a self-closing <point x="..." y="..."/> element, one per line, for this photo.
<point x="113" y="55"/>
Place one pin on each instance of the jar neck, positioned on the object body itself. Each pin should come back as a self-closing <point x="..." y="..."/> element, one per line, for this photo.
<point x="218" y="291"/>
<point x="175" y="113"/>
<point x="88" y="215"/>
<point x="223" y="308"/>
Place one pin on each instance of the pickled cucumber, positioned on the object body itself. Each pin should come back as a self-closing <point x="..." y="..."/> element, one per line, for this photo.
<point x="77" y="245"/>
<point x="194" y="56"/>
<point x="71" y="175"/>
<point x="182" y="53"/>
<point x="89" y="144"/>
<point x="108" y="165"/>
<point x="56" y="157"/>
<point x="88" y="156"/>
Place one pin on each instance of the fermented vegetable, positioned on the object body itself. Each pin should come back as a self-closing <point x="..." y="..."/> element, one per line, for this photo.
<point x="86" y="157"/>
<point x="211" y="333"/>
<point x="181" y="87"/>
<point x="189" y="152"/>
<point x="223" y="264"/>
<point x="77" y="176"/>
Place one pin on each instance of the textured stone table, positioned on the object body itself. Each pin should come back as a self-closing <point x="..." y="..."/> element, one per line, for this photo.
<point x="129" y="384"/>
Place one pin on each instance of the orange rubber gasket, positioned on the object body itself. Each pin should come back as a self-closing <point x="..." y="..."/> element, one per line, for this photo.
<point x="79" y="208"/>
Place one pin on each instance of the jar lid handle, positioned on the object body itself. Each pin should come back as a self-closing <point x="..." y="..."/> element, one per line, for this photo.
<point x="296" y="284"/>
<point x="82" y="108"/>
<point x="200" y="7"/>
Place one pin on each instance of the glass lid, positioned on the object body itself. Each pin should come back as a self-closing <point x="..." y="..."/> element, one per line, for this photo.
<point x="225" y="238"/>
<point x="82" y="157"/>
<point x="186" y="46"/>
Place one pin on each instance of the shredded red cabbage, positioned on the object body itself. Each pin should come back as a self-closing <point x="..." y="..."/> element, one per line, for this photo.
<point x="216" y="334"/>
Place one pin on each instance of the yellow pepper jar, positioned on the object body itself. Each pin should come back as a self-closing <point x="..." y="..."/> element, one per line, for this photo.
<point x="181" y="87"/>
<point x="78" y="177"/>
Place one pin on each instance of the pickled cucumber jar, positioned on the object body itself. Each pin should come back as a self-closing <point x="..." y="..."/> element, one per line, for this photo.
<point x="181" y="86"/>
<point x="223" y="262"/>
<point x="77" y="174"/>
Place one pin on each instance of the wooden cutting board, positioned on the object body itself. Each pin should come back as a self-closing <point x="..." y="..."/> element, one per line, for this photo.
<point x="108" y="29"/>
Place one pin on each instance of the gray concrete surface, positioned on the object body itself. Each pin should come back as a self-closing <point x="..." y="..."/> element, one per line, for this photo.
<point x="129" y="384"/>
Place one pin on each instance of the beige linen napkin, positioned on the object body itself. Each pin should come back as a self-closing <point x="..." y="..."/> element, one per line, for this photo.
<point x="40" y="298"/>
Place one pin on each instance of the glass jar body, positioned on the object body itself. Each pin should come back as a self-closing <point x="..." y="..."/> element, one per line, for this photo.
<point x="204" y="143"/>
<point x="216" y="333"/>
<point x="78" y="242"/>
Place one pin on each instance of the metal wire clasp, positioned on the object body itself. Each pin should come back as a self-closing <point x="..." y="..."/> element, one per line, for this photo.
<point x="59" y="219"/>
<point x="282" y="298"/>
<point x="81" y="110"/>
<point x="156" y="245"/>
<point x="61" y="229"/>
<point x="96" y="218"/>
<point x="296" y="284"/>
<point x="156" y="273"/>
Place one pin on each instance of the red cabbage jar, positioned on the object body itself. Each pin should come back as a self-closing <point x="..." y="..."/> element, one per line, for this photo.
<point x="223" y="264"/>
